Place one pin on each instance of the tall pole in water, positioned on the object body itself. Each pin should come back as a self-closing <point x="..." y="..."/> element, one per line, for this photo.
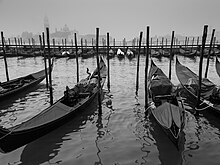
<point x="108" y="83"/>
<point x="146" y="67"/>
<point x="210" y="48"/>
<point x="77" y="62"/>
<point x="197" y="45"/>
<point x="171" y="54"/>
<point x="50" y="69"/>
<point x="6" y="65"/>
<point x="45" y="60"/>
<point x="200" y="64"/>
<point x="98" y="67"/>
<point x="138" y="61"/>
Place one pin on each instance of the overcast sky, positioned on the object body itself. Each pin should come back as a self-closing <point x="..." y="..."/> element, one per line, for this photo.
<point x="121" y="18"/>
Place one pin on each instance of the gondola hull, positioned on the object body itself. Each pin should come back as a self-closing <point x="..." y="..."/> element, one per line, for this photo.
<point x="165" y="107"/>
<point x="19" y="84"/>
<point x="11" y="141"/>
<point x="74" y="100"/>
<point x="184" y="74"/>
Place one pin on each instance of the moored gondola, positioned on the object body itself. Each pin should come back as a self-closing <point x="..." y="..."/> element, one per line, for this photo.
<point x="120" y="54"/>
<point x="18" y="85"/>
<point x="210" y="93"/>
<point x="74" y="100"/>
<point x="165" y="104"/>
<point x="187" y="53"/>
<point x="130" y="54"/>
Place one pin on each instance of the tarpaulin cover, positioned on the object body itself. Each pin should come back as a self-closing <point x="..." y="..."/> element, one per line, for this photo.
<point x="167" y="112"/>
<point x="160" y="85"/>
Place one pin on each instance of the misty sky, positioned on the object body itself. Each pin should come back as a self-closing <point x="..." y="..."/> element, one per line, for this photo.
<point x="121" y="18"/>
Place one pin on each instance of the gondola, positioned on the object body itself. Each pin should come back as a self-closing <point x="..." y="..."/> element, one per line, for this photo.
<point x="89" y="54"/>
<point x="166" y="105"/>
<point x="120" y="54"/>
<point x="74" y="100"/>
<point x="187" y="53"/>
<point x="18" y="85"/>
<point x="209" y="91"/>
<point x="164" y="53"/>
<point x="111" y="53"/>
<point x="155" y="53"/>
<point x="217" y="66"/>
<point x="130" y="54"/>
<point x="60" y="54"/>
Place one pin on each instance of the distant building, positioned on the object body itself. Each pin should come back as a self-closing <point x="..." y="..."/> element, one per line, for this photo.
<point x="64" y="33"/>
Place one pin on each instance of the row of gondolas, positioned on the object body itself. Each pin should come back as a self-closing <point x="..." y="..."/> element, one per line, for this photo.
<point x="121" y="53"/>
<point x="165" y="102"/>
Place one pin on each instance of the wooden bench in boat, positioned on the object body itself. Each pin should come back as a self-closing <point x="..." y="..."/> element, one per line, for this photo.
<point x="83" y="94"/>
<point x="160" y="97"/>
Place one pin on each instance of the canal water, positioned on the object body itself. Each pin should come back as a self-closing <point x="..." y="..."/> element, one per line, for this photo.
<point x="123" y="135"/>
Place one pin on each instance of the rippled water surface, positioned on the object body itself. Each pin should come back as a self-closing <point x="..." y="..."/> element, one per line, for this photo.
<point x="122" y="135"/>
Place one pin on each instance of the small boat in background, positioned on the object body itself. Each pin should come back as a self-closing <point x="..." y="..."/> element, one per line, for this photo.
<point x="164" y="53"/>
<point x="155" y="53"/>
<point x="187" y="53"/>
<point x="65" y="53"/>
<point x="120" y="54"/>
<point x="90" y="53"/>
<point x="130" y="54"/>
<point x="111" y="53"/>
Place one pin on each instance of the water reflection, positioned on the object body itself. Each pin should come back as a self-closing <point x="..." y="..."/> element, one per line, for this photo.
<point x="168" y="153"/>
<point x="100" y="134"/>
<point x="122" y="135"/>
<point x="49" y="146"/>
<point x="21" y="105"/>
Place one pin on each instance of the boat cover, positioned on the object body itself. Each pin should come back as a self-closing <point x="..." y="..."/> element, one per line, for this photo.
<point x="167" y="112"/>
<point x="159" y="84"/>
<point x="120" y="52"/>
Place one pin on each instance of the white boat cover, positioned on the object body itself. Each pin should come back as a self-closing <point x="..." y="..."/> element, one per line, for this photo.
<point x="120" y="52"/>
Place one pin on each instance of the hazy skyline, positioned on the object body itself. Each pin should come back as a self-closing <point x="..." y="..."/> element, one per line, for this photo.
<point x="121" y="18"/>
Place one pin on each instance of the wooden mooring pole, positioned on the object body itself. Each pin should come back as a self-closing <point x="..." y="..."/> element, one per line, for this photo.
<point x="200" y="64"/>
<point x="108" y="83"/>
<point x="40" y="40"/>
<point x="50" y="69"/>
<point x="146" y="67"/>
<point x="171" y="54"/>
<point x="197" y="44"/>
<point x="45" y="61"/>
<point x="98" y="67"/>
<point x="16" y="46"/>
<point x="77" y="61"/>
<point x="82" y="45"/>
<point x="192" y="44"/>
<point x="210" y="48"/>
<point x="138" y="61"/>
<point x="54" y="50"/>
<point x="3" y="48"/>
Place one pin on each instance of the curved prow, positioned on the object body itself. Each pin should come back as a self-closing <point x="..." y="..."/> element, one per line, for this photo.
<point x="177" y="61"/>
<point x="217" y="66"/>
